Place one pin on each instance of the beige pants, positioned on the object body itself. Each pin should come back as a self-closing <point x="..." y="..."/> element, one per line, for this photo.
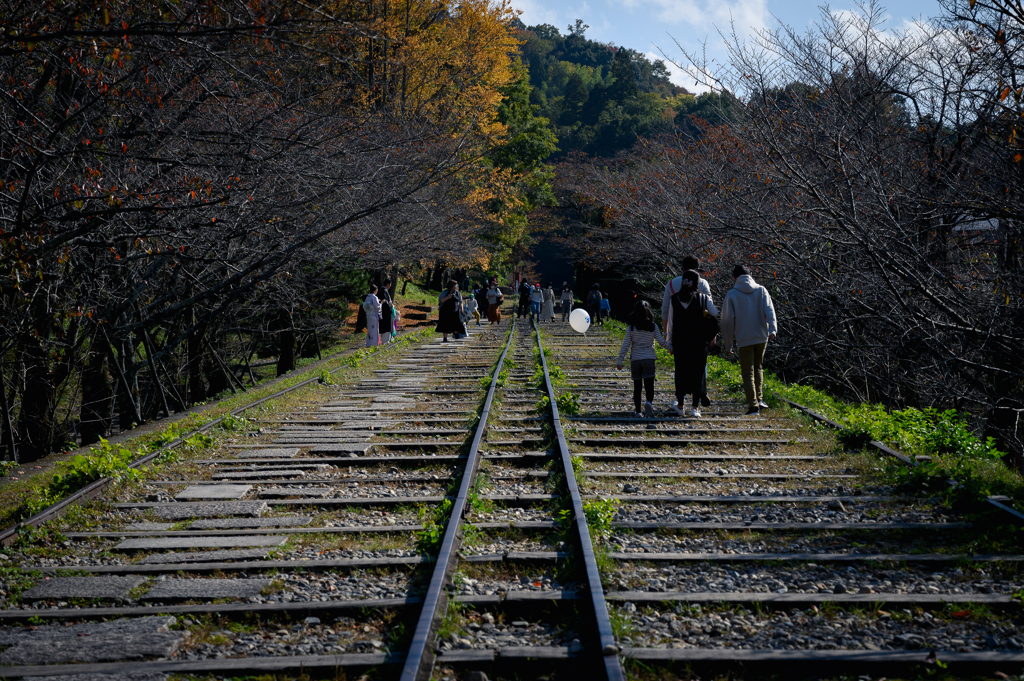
<point x="751" y="357"/>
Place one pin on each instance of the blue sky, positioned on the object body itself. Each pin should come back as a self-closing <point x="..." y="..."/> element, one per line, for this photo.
<point x="645" y="24"/>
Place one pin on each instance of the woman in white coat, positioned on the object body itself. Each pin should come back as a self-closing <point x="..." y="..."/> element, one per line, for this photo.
<point x="373" y="312"/>
<point x="548" y="313"/>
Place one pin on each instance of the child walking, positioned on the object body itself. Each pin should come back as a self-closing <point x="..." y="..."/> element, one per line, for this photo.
<point x="641" y="334"/>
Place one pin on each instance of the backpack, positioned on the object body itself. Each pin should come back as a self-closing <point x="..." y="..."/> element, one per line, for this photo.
<point x="709" y="325"/>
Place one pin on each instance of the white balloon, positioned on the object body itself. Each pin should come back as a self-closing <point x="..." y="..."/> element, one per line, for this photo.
<point x="579" y="320"/>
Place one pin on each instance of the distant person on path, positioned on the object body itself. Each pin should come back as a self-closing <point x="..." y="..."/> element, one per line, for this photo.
<point x="748" y="323"/>
<point x="536" y="299"/>
<point x="387" y="311"/>
<point x="594" y="303"/>
<point x="371" y="305"/>
<point x="494" y="300"/>
<point x="547" y="313"/>
<point x="606" y="310"/>
<point x="449" y="319"/>
<point x="641" y="335"/>
<point x="524" y="299"/>
<point x="473" y="308"/>
<point x="688" y="310"/>
<point x="690" y="262"/>
<point x="566" y="300"/>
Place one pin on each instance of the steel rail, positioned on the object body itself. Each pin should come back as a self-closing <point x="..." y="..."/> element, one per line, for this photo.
<point x="419" y="661"/>
<point x="9" y="535"/>
<point x="608" y="648"/>
<point x="993" y="501"/>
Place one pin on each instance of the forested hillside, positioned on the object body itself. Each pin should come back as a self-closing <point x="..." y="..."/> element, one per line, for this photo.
<point x="600" y="97"/>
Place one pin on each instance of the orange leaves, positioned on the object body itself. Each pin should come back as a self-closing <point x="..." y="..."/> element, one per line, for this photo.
<point x="1004" y="94"/>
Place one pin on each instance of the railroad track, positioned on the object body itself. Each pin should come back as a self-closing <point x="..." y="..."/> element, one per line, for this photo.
<point x="753" y="546"/>
<point x="334" y="537"/>
<point x="440" y="518"/>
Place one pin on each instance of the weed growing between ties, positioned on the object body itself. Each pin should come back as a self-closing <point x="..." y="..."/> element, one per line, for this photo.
<point x="568" y="404"/>
<point x="579" y="468"/>
<point x="434" y="520"/>
<point x="452" y="621"/>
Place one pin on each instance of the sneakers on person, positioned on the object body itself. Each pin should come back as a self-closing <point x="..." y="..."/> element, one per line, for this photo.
<point x="753" y="411"/>
<point x="649" y="410"/>
<point x="761" y="404"/>
<point x="695" y="412"/>
<point x="705" y="401"/>
<point x="637" y="415"/>
<point x="676" y="409"/>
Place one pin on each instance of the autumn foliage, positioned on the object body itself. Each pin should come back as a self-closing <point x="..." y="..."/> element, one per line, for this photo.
<point x="176" y="171"/>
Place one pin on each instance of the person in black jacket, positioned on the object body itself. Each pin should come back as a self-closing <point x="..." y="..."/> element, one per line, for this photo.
<point x="387" y="309"/>
<point x="686" y="331"/>
<point x="449" y="315"/>
<point x="594" y="304"/>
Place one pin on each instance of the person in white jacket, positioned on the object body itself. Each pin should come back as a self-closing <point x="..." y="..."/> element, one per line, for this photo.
<point x="748" y="323"/>
<point x="373" y="313"/>
<point x="566" y="300"/>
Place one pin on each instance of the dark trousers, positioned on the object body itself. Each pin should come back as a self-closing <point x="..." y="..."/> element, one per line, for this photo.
<point x="691" y="371"/>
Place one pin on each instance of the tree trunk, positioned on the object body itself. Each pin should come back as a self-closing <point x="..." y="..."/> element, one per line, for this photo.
<point x="97" y="394"/>
<point x="360" y="318"/>
<point x="37" y="404"/>
<point x="128" y="407"/>
<point x="7" y="435"/>
<point x="285" y="345"/>
<point x="196" y="385"/>
<point x="437" y="281"/>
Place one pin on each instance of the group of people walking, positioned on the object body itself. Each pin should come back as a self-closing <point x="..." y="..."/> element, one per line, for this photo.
<point x="537" y="303"/>
<point x="690" y="325"/>
<point x="454" y="313"/>
<point x="690" y="321"/>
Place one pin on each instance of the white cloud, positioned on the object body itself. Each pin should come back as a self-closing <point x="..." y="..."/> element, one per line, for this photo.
<point x="535" y="12"/>
<point x="711" y="16"/>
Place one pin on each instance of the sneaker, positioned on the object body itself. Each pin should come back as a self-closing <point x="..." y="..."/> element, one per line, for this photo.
<point x="695" y="412"/>
<point x="761" y="404"/>
<point x="676" y="409"/>
<point x="753" y="411"/>
<point x="649" y="410"/>
<point x="705" y="401"/>
<point x="637" y="415"/>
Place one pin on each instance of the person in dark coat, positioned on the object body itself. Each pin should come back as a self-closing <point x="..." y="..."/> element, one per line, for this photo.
<point x="449" y="315"/>
<point x="686" y="331"/>
<point x="387" y="309"/>
<point x="524" y="300"/>
<point x="594" y="303"/>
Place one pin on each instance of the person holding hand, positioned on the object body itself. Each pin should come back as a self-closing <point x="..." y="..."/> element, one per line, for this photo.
<point x="641" y="334"/>
<point x="748" y="323"/>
